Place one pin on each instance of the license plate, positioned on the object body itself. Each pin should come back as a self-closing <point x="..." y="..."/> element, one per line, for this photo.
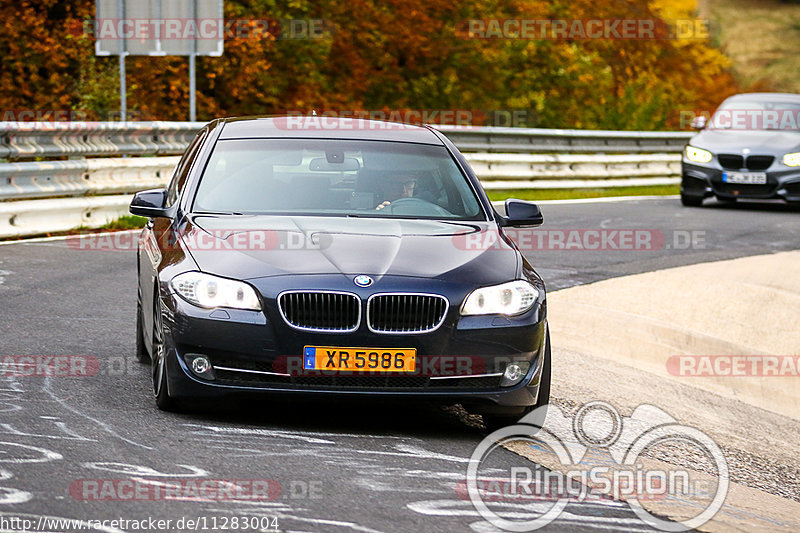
<point x="746" y="178"/>
<point x="359" y="359"/>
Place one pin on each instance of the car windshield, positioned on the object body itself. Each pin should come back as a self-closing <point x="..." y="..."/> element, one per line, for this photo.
<point x="335" y="178"/>
<point x="754" y="115"/>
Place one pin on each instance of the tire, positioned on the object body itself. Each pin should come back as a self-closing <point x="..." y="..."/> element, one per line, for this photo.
<point x="141" y="350"/>
<point x="159" y="361"/>
<point x="691" y="201"/>
<point x="497" y="421"/>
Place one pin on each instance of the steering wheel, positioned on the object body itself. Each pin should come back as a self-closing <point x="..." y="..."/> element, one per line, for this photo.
<point x="416" y="206"/>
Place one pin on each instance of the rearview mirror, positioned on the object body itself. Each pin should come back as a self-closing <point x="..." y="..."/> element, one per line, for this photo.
<point x="150" y="203"/>
<point x="348" y="164"/>
<point x="520" y="213"/>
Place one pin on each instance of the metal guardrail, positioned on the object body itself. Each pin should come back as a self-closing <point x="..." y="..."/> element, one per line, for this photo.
<point x="566" y="171"/>
<point x="35" y="217"/>
<point x="83" y="177"/>
<point x="51" y="196"/>
<point x="531" y="140"/>
<point x="20" y="140"/>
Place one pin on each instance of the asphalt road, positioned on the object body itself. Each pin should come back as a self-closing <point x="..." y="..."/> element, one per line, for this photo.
<point x="678" y="236"/>
<point x="340" y="466"/>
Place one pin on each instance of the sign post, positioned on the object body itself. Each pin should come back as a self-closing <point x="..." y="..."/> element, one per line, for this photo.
<point x="159" y="28"/>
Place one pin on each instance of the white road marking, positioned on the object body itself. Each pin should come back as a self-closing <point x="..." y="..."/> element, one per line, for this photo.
<point x="45" y="455"/>
<point x="107" y="428"/>
<point x="426" y="454"/>
<point x="9" y="496"/>
<point x="138" y="470"/>
<point x="262" y="433"/>
<point x="70" y="435"/>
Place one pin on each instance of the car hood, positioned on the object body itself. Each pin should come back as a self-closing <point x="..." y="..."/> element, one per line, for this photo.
<point x="249" y="247"/>
<point x="758" y="142"/>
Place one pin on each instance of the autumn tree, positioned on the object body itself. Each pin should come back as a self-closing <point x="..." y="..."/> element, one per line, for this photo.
<point x="378" y="54"/>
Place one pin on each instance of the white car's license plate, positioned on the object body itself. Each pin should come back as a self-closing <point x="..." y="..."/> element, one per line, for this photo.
<point x="746" y="178"/>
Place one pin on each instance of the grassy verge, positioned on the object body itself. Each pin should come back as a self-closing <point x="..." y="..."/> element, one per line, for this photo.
<point x="761" y="37"/>
<point x="567" y="194"/>
<point x="125" y="222"/>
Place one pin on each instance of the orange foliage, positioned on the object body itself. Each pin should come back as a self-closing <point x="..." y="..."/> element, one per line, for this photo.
<point x="378" y="54"/>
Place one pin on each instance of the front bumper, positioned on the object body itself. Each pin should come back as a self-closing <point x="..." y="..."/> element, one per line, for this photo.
<point x="253" y="351"/>
<point x="705" y="180"/>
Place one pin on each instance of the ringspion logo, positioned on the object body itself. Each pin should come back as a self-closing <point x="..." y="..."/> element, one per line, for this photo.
<point x="602" y="454"/>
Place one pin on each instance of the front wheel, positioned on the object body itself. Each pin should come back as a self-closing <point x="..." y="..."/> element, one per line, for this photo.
<point x="495" y="421"/>
<point x="159" y="361"/>
<point x="691" y="201"/>
<point x="141" y="350"/>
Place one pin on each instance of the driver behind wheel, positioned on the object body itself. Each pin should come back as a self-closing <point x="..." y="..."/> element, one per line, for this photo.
<point x="397" y="187"/>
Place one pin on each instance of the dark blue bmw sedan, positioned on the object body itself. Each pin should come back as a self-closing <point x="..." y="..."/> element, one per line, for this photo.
<point x="337" y="257"/>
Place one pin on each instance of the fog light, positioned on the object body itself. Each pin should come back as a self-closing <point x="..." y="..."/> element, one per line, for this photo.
<point x="515" y="372"/>
<point x="200" y="365"/>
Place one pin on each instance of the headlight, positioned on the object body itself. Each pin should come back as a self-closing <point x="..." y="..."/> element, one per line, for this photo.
<point x="510" y="298"/>
<point x="206" y="290"/>
<point x="698" y="155"/>
<point x="792" y="160"/>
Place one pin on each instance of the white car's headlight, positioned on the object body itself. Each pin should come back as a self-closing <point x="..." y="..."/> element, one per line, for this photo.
<point x="510" y="298"/>
<point x="206" y="290"/>
<point x="698" y="155"/>
<point x="792" y="160"/>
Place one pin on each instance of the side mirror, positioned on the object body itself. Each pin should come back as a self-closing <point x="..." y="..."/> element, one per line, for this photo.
<point x="698" y="122"/>
<point x="150" y="204"/>
<point x="520" y="213"/>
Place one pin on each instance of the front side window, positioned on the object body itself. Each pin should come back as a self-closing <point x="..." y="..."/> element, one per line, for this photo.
<point x="335" y="178"/>
<point x="184" y="165"/>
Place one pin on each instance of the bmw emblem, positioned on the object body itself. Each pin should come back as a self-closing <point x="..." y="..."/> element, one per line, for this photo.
<point x="363" y="281"/>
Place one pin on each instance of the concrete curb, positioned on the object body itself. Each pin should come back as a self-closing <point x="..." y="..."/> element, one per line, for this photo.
<point x="654" y="321"/>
